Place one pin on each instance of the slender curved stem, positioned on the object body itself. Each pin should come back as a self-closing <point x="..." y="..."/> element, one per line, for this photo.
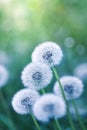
<point x="78" y="116"/>
<point x="68" y="112"/>
<point x="35" y="122"/>
<point x="58" y="125"/>
<point x="43" y="91"/>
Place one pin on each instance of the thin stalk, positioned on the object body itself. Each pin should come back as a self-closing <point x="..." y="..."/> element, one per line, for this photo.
<point x="6" y="109"/>
<point x="35" y="122"/>
<point x="43" y="91"/>
<point x="68" y="112"/>
<point x="56" y="121"/>
<point x="78" y="116"/>
<point x="57" y="124"/>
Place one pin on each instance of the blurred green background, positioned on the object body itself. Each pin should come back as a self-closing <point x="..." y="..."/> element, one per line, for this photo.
<point x="23" y="25"/>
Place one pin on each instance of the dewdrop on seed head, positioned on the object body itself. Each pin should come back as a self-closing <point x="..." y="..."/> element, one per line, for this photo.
<point x="49" y="106"/>
<point x="3" y="76"/>
<point x="48" y="52"/>
<point x="72" y="86"/>
<point x="36" y="76"/>
<point x="81" y="71"/>
<point x="23" y="101"/>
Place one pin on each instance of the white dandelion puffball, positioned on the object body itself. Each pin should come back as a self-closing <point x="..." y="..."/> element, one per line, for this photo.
<point x="3" y="76"/>
<point x="36" y="76"/>
<point x="48" y="52"/>
<point x="23" y="101"/>
<point x="49" y="106"/>
<point x="81" y="71"/>
<point x="72" y="86"/>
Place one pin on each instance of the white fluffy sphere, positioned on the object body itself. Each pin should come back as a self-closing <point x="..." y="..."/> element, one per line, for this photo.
<point x="72" y="86"/>
<point x="36" y="76"/>
<point x="48" y="52"/>
<point x="49" y="106"/>
<point x="23" y="101"/>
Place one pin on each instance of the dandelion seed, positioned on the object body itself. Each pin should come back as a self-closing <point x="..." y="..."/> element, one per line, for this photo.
<point x="81" y="71"/>
<point x="23" y="101"/>
<point x="36" y="76"/>
<point x="48" y="52"/>
<point x="49" y="106"/>
<point x="72" y="86"/>
<point x="3" y="76"/>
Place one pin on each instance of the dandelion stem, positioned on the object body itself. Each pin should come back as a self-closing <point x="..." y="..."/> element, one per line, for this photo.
<point x="68" y="112"/>
<point x="78" y="116"/>
<point x="6" y="110"/>
<point x="43" y="91"/>
<point x="56" y="121"/>
<point x="35" y="121"/>
<point x="58" y="125"/>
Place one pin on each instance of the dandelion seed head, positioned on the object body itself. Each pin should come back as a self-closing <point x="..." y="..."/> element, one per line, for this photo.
<point x="36" y="76"/>
<point x="49" y="106"/>
<point x="72" y="86"/>
<point x="48" y="52"/>
<point x="23" y="100"/>
<point x="3" y="76"/>
<point x="81" y="71"/>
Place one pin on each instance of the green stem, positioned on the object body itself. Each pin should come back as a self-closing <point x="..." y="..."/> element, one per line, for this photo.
<point x="43" y="91"/>
<point x="6" y="110"/>
<point x="78" y="117"/>
<point x="35" y="122"/>
<point x="56" y="121"/>
<point x="68" y="112"/>
<point x="58" y="125"/>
